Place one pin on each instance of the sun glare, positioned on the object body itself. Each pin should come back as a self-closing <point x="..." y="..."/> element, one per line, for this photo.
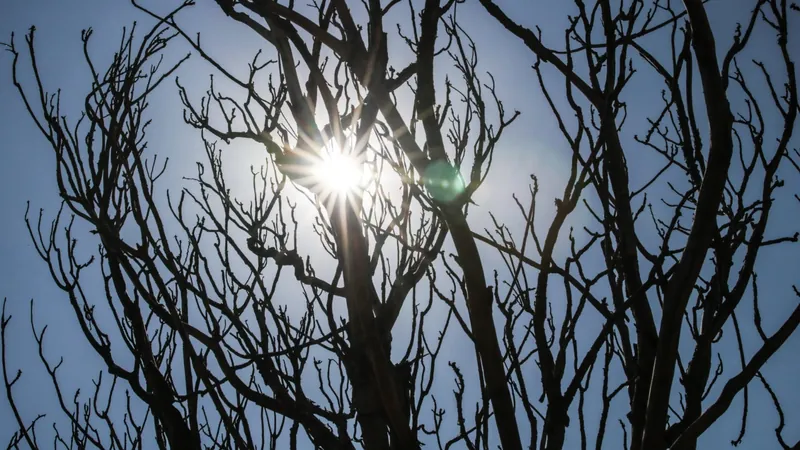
<point x="340" y="174"/>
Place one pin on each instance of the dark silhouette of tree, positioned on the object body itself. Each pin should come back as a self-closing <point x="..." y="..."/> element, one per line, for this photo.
<point x="220" y="323"/>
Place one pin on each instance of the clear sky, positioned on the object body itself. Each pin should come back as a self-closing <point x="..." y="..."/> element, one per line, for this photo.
<point x="26" y="174"/>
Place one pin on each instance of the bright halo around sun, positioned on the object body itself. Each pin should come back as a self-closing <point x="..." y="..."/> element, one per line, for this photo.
<point x="340" y="174"/>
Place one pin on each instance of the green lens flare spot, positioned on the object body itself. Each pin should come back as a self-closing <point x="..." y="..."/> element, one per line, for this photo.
<point x="443" y="181"/>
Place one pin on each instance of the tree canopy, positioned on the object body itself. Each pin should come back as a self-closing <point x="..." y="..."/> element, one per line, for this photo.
<point x="397" y="269"/>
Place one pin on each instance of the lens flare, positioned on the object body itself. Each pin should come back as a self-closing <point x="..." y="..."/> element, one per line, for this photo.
<point x="443" y="181"/>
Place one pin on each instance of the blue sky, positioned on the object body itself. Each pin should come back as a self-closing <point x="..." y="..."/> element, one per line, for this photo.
<point x="531" y="145"/>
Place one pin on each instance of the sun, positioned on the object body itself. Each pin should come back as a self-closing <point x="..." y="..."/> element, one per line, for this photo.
<point x="339" y="173"/>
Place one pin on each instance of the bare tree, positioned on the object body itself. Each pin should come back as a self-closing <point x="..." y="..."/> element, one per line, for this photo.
<point x="216" y="321"/>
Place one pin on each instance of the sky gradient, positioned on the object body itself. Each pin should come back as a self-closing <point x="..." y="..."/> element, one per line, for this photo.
<point x="531" y="146"/>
